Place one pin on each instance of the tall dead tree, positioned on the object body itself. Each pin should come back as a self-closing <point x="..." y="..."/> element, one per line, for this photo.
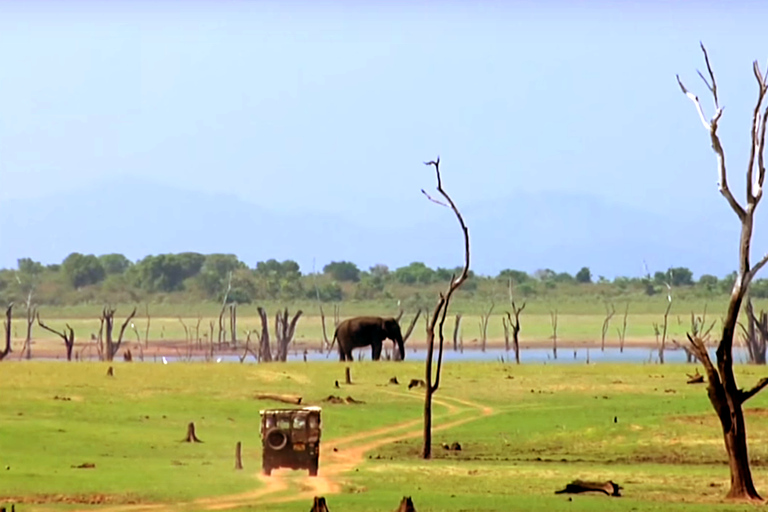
<point x="265" y="352"/>
<point x="146" y="332"/>
<point x="284" y="331"/>
<point x="553" y="322"/>
<point x="623" y="331"/>
<point x="408" y="331"/>
<point x="7" y="329"/>
<point x="724" y="393"/>
<point x="438" y="316"/>
<point x="609" y="312"/>
<point x="111" y="346"/>
<point x="456" y="327"/>
<point x="512" y="323"/>
<point x="223" y="332"/>
<point x="755" y="335"/>
<point x="26" y="350"/>
<point x="484" y="327"/>
<point x="662" y="342"/>
<point x="68" y="335"/>
<point x="233" y="324"/>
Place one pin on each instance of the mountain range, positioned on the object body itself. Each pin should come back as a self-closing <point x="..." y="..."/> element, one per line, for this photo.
<point x="525" y="231"/>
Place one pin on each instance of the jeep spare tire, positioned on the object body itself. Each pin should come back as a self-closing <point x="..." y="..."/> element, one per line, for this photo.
<point x="276" y="439"/>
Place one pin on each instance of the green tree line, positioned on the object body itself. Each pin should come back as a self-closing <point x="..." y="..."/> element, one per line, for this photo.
<point x="190" y="277"/>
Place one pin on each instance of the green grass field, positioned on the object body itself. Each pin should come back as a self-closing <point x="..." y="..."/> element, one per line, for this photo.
<point x="525" y="432"/>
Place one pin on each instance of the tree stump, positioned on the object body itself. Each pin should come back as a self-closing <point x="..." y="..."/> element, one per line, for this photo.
<point x="348" y="375"/>
<point x="406" y="505"/>
<point x="110" y="372"/>
<point x="238" y="456"/>
<point x="319" y="505"/>
<point x="191" y="436"/>
<point x="393" y="380"/>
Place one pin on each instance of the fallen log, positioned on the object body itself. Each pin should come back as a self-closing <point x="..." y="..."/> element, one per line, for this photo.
<point x="696" y="378"/>
<point x="608" y="487"/>
<point x="288" y="399"/>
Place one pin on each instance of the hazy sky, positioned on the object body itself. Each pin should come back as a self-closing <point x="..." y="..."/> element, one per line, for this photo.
<point x="333" y="106"/>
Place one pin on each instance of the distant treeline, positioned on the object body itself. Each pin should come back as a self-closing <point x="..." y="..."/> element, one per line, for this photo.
<point x="189" y="276"/>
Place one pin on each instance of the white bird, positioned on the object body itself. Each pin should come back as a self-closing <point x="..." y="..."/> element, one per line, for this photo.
<point x="218" y="359"/>
<point x="132" y="326"/>
<point x="165" y="361"/>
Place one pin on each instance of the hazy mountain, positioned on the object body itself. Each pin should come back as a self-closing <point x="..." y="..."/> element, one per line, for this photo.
<point x="525" y="231"/>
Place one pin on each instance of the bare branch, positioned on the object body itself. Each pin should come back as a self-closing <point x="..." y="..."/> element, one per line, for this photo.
<point x="712" y="88"/>
<point x="746" y="395"/>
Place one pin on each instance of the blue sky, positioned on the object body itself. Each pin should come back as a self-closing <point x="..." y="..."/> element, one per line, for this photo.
<point x="331" y="107"/>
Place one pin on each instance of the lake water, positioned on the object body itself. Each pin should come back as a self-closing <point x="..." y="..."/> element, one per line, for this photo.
<point x="527" y="356"/>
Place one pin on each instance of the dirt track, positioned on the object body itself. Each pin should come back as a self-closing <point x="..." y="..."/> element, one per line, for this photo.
<point x="285" y="485"/>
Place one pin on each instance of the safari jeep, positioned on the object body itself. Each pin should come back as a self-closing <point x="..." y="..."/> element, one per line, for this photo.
<point x="290" y="438"/>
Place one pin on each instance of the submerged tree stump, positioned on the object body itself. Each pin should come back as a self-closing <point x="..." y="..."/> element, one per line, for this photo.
<point x="608" y="487"/>
<point x="191" y="436"/>
<point x="348" y="375"/>
<point x="238" y="456"/>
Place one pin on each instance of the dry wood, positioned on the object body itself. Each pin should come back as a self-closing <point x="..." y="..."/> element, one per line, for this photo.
<point x="726" y="397"/>
<point x="406" y="505"/>
<point x="553" y="322"/>
<point x="265" y="352"/>
<point x="319" y="505"/>
<point x="456" y="326"/>
<point x="623" y="331"/>
<point x="284" y="331"/>
<point x="191" y="435"/>
<point x="233" y="324"/>
<point x="149" y="320"/>
<point x="222" y="336"/>
<point x="608" y="487"/>
<point x="31" y="314"/>
<point x="438" y="315"/>
<point x="348" y="375"/>
<point x="68" y="337"/>
<point x="513" y="324"/>
<point x="288" y="399"/>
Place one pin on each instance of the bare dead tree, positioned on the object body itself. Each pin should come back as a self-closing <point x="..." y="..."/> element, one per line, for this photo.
<point x="284" y="331"/>
<point x="513" y="323"/>
<point x="7" y="328"/>
<point x="755" y="335"/>
<point x="408" y="331"/>
<point x="609" y="312"/>
<point x="623" y="331"/>
<point x="553" y="322"/>
<point x="265" y="352"/>
<point x="198" y="340"/>
<point x="663" y="342"/>
<point x="456" y="325"/>
<point x="233" y="324"/>
<point x="484" y="326"/>
<point x="68" y="337"/>
<point x="146" y="332"/>
<point x="222" y="332"/>
<point x="698" y="329"/>
<point x="186" y="329"/>
<point x="31" y="311"/>
<point x="112" y="346"/>
<point x="726" y="397"/>
<point x="438" y="316"/>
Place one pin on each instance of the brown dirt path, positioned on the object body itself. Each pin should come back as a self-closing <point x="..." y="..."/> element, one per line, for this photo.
<point x="285" y="485"/>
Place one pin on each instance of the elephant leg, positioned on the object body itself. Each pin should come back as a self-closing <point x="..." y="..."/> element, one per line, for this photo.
<point x="376" y="351"/>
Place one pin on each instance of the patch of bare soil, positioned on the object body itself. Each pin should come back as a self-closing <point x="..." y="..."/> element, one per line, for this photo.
<point x="75" y="499"/>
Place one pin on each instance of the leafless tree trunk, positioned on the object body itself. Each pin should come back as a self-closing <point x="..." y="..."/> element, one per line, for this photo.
<point x="146" y="332"/>
<point x="284" y="331"/>
<point x="484" y="327"/>
<point x="438" y="317"/>
<point x="623" y="331"/>
<point x="553" y="321"/>
<point x="756" y="335"/>
<point x="68" y="337"/>
<point x="108" y="318"/>
<point x="7" y="328"/>
<point x="222" y="332"/>
<point x="514" y="325"/>
<point x="663" y="342"/>
<point x="724" y="393"/>
<point x="186" y="330"/>
<point x="265" y="352"/>
<point x="233" y="324"/>
<point x="609" y="312"/>
<point x="31" y="314"/>
<point x="456" y="327"/>
<point x="198" y="340"/>
<point x="408" y="331"/>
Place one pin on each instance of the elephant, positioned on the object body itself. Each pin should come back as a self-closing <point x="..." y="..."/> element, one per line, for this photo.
<point x="362" y="331"/>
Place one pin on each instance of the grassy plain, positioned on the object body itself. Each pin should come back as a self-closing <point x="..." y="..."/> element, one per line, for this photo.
<point x="525" y="431"/>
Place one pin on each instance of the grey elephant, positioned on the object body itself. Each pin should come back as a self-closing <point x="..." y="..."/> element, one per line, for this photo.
<point x="362" y="331"/>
